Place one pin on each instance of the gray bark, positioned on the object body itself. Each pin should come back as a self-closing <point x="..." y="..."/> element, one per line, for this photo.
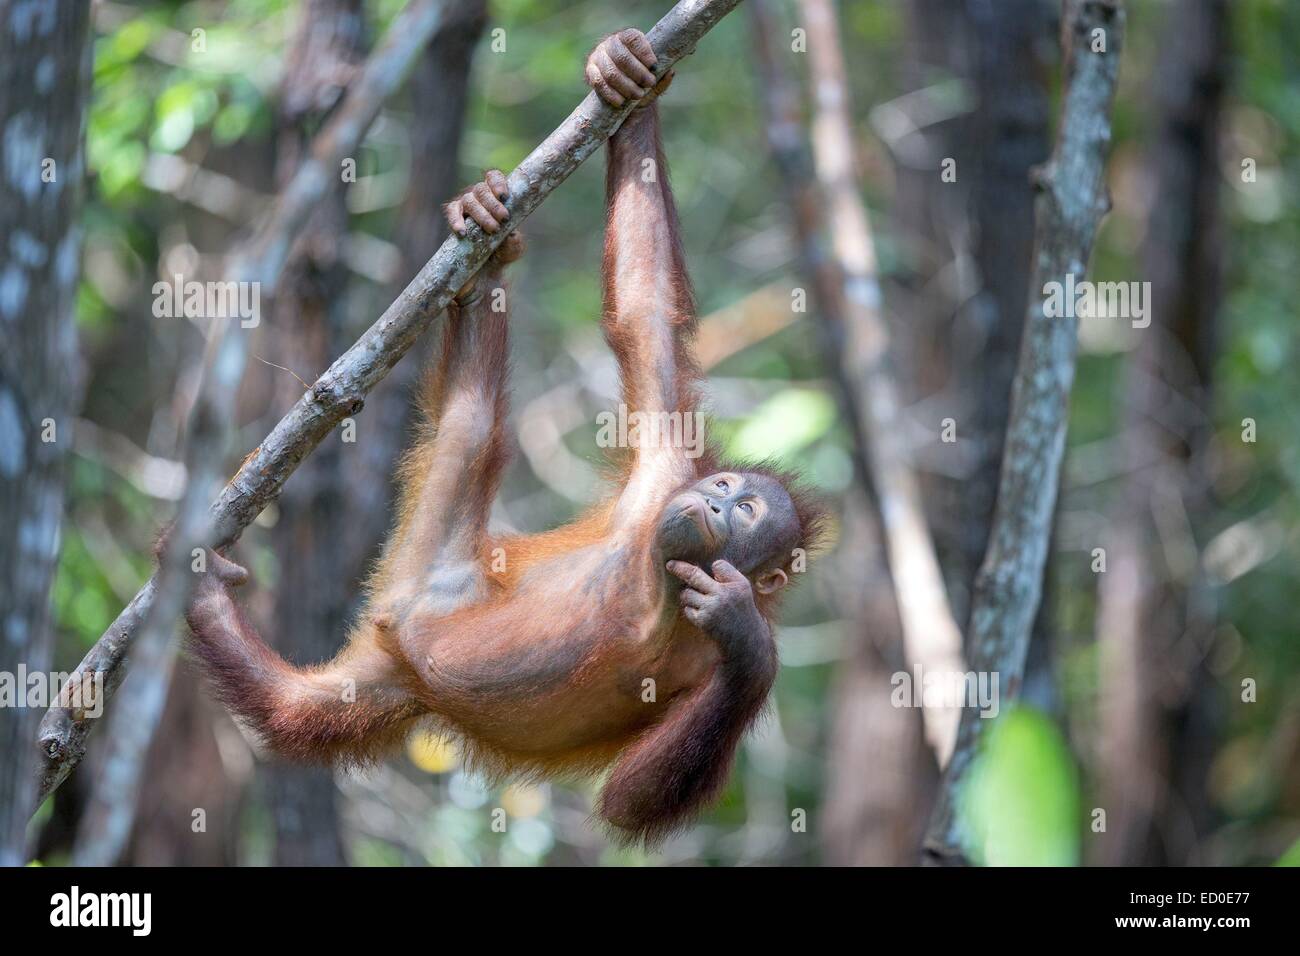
<point x="1009" y="138"/>
<point x="1071" y="201"/>
<point x="45" y="69"/>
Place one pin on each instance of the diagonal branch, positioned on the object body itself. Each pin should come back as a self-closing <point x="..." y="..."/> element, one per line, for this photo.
<point x="341" y="390"/>
<point x="1071" y="202"/>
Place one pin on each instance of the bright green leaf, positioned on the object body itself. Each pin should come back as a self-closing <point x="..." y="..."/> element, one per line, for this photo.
<point x="1020" y="806"/>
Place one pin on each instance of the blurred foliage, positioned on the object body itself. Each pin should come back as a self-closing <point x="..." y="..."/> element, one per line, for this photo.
<point x="1254" y="787"/>
<point x="1021" y="802"/>
<point x="158" y="99"/>
<point x="1291" y="857"/>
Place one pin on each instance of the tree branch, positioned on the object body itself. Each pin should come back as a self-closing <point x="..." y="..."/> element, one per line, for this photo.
<point x="1071" y="202"/>
<point x="341" y="390"/>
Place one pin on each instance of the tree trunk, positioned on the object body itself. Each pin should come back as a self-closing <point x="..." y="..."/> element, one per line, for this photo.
<point x="930" y="221"/>
<point x="881" y="776"/>
<point x="310" y="610"/>
<point x="1155" y="625"/>
<point x="1008" y="139"/>
<point x="45" y="69"/>
<point x="967" y="243"/>
<point x="879" y="765"/>
<point x="1071" y="202"/>
<point x="188" y="812"/>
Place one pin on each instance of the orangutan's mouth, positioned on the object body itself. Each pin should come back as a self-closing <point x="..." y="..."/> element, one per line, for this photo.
<point x="698" y="512"/>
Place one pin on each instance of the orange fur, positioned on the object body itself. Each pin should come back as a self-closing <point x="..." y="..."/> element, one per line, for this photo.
<point x="540" y="667"/>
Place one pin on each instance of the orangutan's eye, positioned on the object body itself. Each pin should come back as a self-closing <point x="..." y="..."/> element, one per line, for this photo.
<point x="746" y="507"/>
<point x="722" y="485"/>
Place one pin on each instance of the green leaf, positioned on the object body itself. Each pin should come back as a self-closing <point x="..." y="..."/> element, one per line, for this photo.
<point x="1291" y="857"/>
<point x="121" y="168"/>
<point x="1020" y="806"/>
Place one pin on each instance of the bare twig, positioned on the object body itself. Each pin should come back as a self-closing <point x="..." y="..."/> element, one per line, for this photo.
<point x="341" y="390"/>
<point x="1071" y="202"/>
<point x="848" y="292"/>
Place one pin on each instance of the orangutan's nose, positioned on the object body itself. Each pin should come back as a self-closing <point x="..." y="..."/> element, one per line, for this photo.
<point x="716" y="509"/>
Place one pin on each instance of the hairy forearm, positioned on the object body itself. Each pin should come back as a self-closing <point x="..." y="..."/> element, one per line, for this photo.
<point x="648" y="302"/>
<point x="643" y="248"/>
<point x="749" y="652"/>
<point x="636" y="140"/>
<point x="683" y="762"/>
<point x="449" y="478"/>
<point x="475" y="344"/>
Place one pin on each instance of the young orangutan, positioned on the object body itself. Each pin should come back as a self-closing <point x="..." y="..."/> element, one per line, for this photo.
<point x="636" y="637"/>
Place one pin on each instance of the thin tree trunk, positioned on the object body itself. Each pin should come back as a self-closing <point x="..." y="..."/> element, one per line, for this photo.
<point x="1008" y="139"/>
<point x="1155" y="625"/>
<point x="876" y="773"/>
<point x="963" y="213"/>
<point x="1071" y="202"/>
<point x="880" y="774"/>
<point x="188" y="814"/>
<point x="850" y="296"/>
<point x="45" y="70"/>
<point x="1009" y="131"/>
<point x="309" y="617"/>
<point x="924" y="127"/>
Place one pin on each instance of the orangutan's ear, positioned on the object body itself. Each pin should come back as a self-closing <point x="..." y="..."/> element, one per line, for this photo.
<point x="770" y="581"/>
